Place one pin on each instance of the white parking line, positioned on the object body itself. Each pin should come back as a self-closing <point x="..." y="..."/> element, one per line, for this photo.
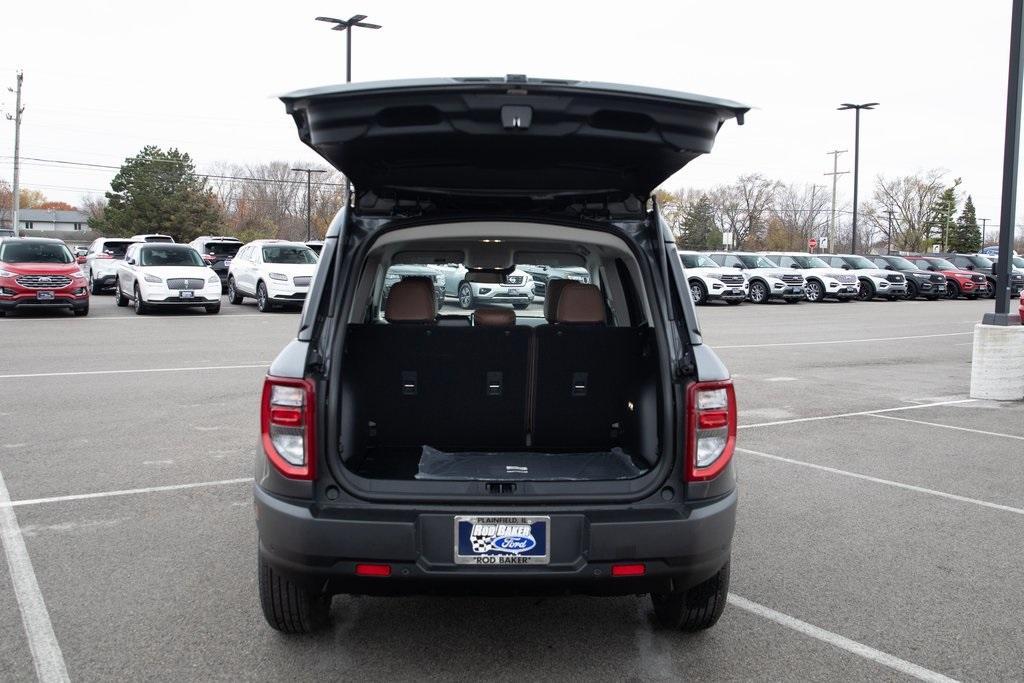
<point x="92" y="318"/>
<point x="959" y="429"/>
<point x="46" y="654"/>
<point x="124" y="492"/>
<point x="135" y="371"/>
<point x="836" y="640"/>
<point x="887" y="482"/>
<point x="838" y="341"/>
<point x="861" y="412"/>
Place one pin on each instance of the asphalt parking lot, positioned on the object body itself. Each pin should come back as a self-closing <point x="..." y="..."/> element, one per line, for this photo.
<point x="879" y="533"/>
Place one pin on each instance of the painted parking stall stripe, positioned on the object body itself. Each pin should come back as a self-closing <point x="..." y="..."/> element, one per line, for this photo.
<point x="79" y="373"/>
<point x="945" y="426"/>
<point x="817" y="418"/>
<point x="838" y="341"/>
<point x="35" y="618"/>
<point x="123" y="492"/>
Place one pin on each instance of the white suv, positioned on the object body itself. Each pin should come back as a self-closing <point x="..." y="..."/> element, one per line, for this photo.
<point x="101" y="261"/>
<point x="274" y="272"/>
<point x="821" y="280"/>
<point x="709" y="281"/>
<point x="765" y="279"/>
<point x="160" y="275"/>
<point x="873" y="281"/>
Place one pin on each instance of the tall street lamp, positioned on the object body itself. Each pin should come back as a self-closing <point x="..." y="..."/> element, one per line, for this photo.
<point x="856" y="161"/>
<point x="348" y="25"/>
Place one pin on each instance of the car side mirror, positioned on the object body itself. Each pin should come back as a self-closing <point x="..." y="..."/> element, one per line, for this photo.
<point x="846" y="266"/>
<point x="130" y="261"/>
<point x="795" y="266"/>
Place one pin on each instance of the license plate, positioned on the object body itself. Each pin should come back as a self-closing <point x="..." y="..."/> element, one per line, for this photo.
<point x="186" y="294"/>
<point x="498" y="541"/>
<point x="227" y="262"/>
<point x="44" y="296"/>
<point x="511" y="292"/>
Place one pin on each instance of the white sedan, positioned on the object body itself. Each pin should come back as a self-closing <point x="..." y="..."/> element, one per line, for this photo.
<point x="157" y="275"/>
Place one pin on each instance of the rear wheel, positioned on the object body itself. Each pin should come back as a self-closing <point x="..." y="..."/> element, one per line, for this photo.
<point x="758" y="292"/>
<point x="119" y="298"/>
<point x="912" y="292"/>
<point x="138" y="304"/>
<point x="233" y="296"/>
<point x="952" y="290"/>
<point x="94" y="287"/>
<point x="698" y="292"/>
<point x="815" y="291"/>
<point x="866" y="292"/>
<point x="262" y="298"/>
<point x="695" y="609"/>
<point x="991" y="294"/>
<point x="289" y="607"/>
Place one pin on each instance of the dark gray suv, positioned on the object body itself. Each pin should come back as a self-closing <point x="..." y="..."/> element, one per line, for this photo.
<point x="588" y="450"/>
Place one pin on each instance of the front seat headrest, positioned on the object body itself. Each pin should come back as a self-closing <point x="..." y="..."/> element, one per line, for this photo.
<point x="411" y="300"/>
<point x="554" y="291"/>
<point x="494" y="317"/>
<point x="580" y="304"/>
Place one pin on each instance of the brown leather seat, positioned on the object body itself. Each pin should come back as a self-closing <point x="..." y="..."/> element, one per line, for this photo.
<point x="411" y="300"/>
<point x="580" y="304"/>
<point x="554" y="291"/>
<point x="494" y="317"/>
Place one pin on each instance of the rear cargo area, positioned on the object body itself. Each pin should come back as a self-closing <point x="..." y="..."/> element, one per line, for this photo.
<point x="532" y="403"/>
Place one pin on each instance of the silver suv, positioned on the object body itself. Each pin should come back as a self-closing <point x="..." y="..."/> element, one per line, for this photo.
<point x="473" y="289"/>
<point x="766" y="280"/>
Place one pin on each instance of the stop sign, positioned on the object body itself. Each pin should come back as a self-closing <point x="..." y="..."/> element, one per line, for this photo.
<point x="812" y="243"/>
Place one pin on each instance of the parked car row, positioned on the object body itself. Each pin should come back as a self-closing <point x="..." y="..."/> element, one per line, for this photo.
<point x="761" y="277"/>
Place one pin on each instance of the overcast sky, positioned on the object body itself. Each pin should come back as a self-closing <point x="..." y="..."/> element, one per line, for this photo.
<point x="102" y="79"/>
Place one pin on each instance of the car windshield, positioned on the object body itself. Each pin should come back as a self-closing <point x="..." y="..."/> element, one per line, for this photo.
<point x="755" y="261"/>
<point x="859" y="262"/>
<point x="941" y="263"/>
<point x="809" y="262"/>
<point x="116" y="249"/>
<point x="697" y="261"/>
<point x="170" y="256"/>
<point x="293" y="254"/>
<point x="900" y="263"/>
<point x="1018" y="261"/>
<point x="35" y="252"/>
<point x="223" y="248"/>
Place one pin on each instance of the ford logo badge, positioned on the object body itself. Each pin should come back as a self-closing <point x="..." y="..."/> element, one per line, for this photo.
<point x="514" y="544"/>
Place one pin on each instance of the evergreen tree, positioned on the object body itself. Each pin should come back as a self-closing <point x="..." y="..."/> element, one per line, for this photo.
<point x="965" y="236"/>
<point x="699" y="230"/>
<point x="157" y="191"/>
<point x="943" y="211"/>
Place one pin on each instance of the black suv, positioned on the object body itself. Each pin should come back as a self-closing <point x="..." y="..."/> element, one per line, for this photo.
<point x="931" y="286"/>
<point x="218" y="252"/>
<point x="588" y="450"/>
<point x="986" y="266"/>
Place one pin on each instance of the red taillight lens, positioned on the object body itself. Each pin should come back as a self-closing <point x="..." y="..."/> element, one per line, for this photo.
<point x="104" y="255"/>
<point x="286" y="425"/>
<point x="373" y="570"/>
<point x="628" y="570"/>
<point x="711" y="429"/>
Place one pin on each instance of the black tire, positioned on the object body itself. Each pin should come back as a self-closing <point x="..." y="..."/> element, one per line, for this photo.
<point x="262" y="298"/>
<point x="119" y="298"/>
<point x="866" y="291"/>
<point x="94" y="287"/>
<point x="520" y="307"/>
<point x="759" y="292"/>
<point x="137" y="303"/>
<point x="991" y="294"/>
<point x="695" y="609"/>
<point x="952" y="290"/>
<point x="912" y="291"/>
<point x="289" y="607"/>
<point x="213" y="309"/>
<point x="466" y="299"/>
<point x="698" y="292"/>
<point x="233" y="296"/>
<point x="814" y="290"/>
<point x="80" y="312"/>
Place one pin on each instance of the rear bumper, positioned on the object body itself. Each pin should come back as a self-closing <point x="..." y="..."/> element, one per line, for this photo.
<point x="679" y="547"/>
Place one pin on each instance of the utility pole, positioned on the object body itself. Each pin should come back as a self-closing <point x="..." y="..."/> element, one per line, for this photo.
<point x="835" y="176"/>
<point x="984" y="231"/>
<point x="16" y="189"/>
<point x="309" y="186"/>
<point x="888" y="249"/>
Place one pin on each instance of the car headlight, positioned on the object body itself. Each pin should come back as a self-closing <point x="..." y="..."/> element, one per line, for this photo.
<point x="6" y="273"/>
<point x="154" y="279"/>
<point x="278" y="276"/>
<point x="212" y="280"/>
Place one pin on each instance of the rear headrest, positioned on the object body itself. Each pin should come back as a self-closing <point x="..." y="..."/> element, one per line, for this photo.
<point x="580" y="304"/>
<point x="411" y="300"/>
<point x="494" y="317"/>
<point x="551" y="298"/>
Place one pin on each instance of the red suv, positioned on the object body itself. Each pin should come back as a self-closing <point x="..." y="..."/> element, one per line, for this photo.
<point x="40" y="273"/>
<point x="959" y="282"/>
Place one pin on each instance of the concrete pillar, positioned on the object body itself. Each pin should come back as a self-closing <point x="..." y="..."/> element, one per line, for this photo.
<point x="997" y="362"/>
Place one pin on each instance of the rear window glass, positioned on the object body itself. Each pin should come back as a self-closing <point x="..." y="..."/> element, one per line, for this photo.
<point x="222" y="248"/>
<point x="170" y="256"/>
<point x="35" y="252"/>
<point x="115" y="249"/>
<point x="288" y="254"/>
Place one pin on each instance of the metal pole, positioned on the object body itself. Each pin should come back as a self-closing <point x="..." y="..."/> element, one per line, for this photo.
<point x="16" y="189"/>
<point x="856" y="177"/>
<point x="984" y="231"/>
<point x="1011" y="149"/>
<point x="888" y="248"/>
<point x="309" y="177"/>
<point x="835" y="178"/>
<point x="348" y="55"/>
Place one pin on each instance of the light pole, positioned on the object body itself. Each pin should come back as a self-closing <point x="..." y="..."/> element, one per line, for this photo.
<point x="309" y="184"/>
<point x="348" y="25"/>
<point x="856" y="162"/>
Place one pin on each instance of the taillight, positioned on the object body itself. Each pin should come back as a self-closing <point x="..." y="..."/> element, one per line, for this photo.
<point x="104" y="255"/>
<point x="711" y="428"/>
<point x="286" y="424"/>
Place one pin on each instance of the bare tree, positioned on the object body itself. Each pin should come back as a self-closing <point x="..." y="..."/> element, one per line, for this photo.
<point x="912" y="200"/>
<point x="800" y="212"/>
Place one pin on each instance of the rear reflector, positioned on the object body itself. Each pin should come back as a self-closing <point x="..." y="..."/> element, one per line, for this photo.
<point x="711" y="429"/>
<point x="373" y="570"/>
<point x="628" y="570"/>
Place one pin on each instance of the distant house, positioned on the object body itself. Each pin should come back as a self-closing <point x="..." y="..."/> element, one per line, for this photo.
<point x="48" y="220"/>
